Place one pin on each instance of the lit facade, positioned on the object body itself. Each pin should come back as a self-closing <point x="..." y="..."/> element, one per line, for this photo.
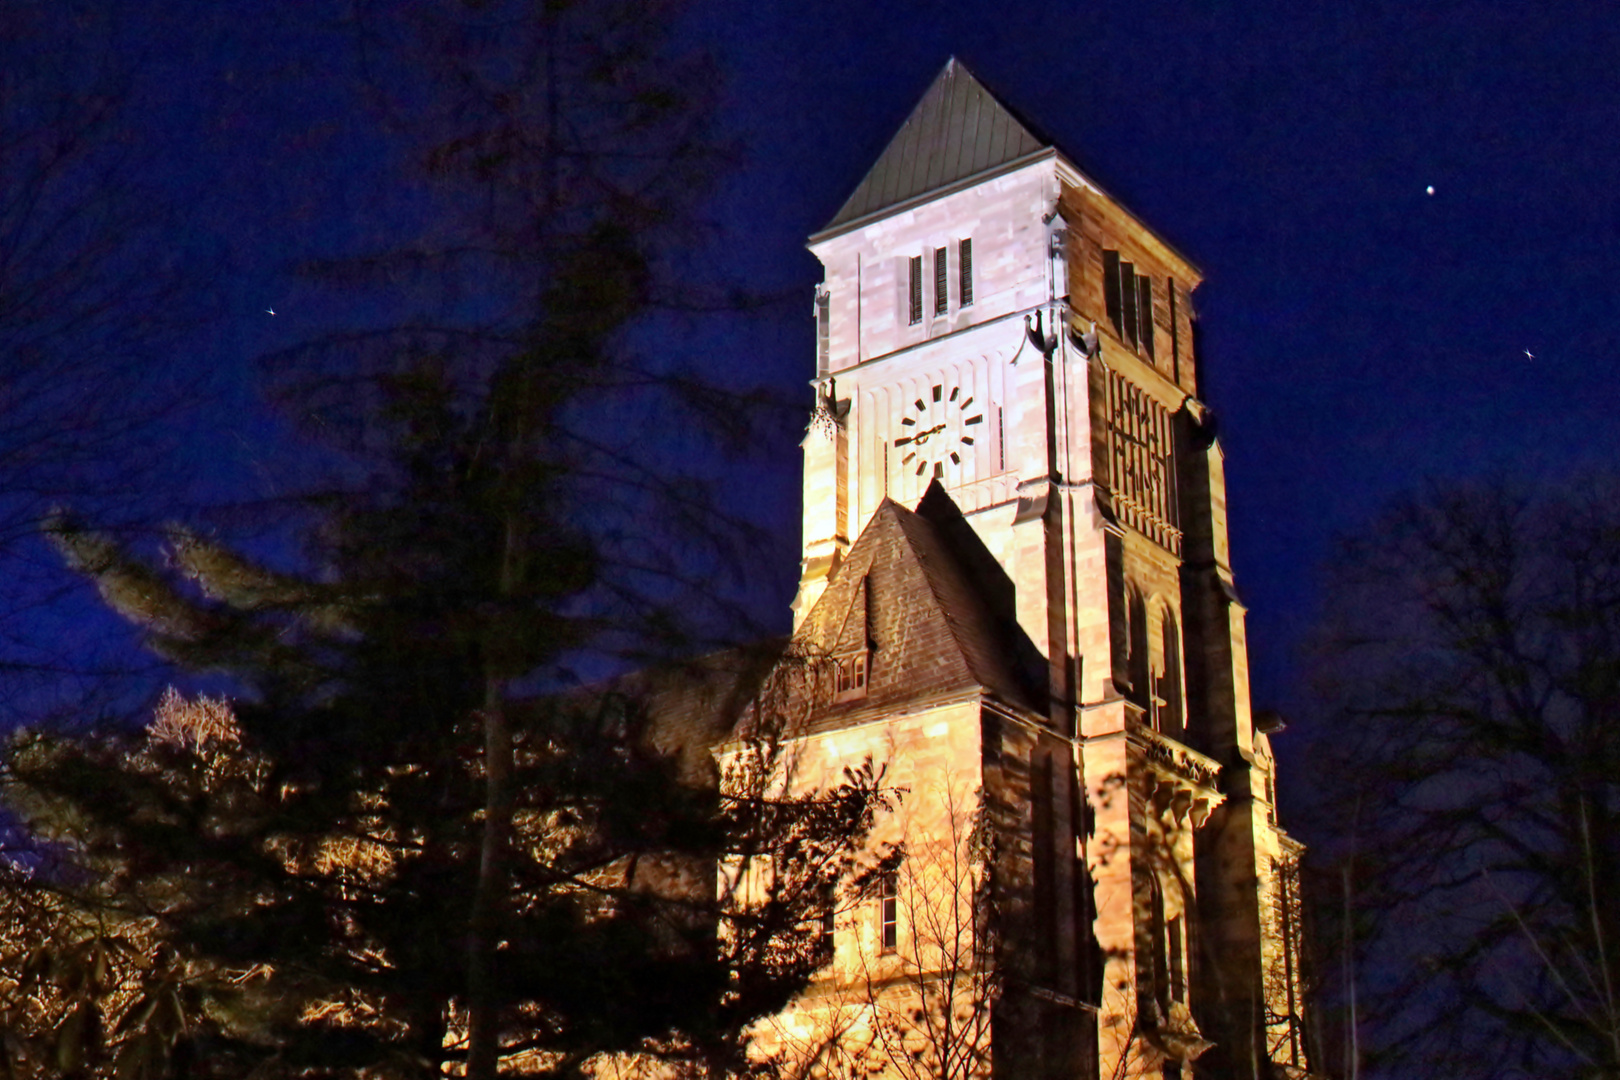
<point x="1016" y="567"/>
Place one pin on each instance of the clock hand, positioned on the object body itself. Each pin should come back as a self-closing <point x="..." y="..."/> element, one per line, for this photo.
<point x="922" y="436"/>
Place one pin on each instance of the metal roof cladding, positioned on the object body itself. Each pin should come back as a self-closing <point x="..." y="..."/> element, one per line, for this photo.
<point x="957" y="130"/>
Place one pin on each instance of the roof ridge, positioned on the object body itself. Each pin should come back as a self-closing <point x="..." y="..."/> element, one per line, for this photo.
<point x="913" y="520"/>
<point x="956" y="130"/>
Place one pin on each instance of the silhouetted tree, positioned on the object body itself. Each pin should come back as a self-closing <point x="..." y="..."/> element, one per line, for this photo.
<point x="434" y="850"/>
<point x="1471" y="682"/>
<point x="90" y="299"/>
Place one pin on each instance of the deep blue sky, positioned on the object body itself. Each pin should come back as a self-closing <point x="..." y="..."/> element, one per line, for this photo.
<point x="1359" y="334"/>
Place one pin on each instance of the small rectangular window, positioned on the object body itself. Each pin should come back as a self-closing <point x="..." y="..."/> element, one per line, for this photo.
<point x="849" y="677"/>
<point x="942" y="300"/>
<point x="916" y="289"/>
<point x="827" y="932"/>
<point x="889" y="912"/>
<point x="964" y="270"/>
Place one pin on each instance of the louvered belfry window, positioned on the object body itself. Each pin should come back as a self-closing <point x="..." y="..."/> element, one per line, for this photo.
<point x="942" y="300"/>
<point x="964" y="270"/>
<point x="1112" y="300"/>
<point x="916" y="289"/>
<point x="1144" y="312"/>
<point x="1128" y="298"/>
<point x="1141" y="469"/>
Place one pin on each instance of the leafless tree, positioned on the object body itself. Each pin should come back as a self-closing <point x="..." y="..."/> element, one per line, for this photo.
<point x="1470" y="677"/>
<point x="910" y="986"/>
<point x="91" y="299"/>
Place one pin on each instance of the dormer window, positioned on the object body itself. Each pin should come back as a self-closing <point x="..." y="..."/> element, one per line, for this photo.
<point x="849" y="676"/>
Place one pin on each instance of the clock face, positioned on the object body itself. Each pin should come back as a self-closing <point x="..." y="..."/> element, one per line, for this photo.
<point x="937" y="429"/>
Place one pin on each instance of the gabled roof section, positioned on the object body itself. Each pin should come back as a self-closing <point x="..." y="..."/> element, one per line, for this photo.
<point x="934" y="626"/>
<point x="957" y="130"/>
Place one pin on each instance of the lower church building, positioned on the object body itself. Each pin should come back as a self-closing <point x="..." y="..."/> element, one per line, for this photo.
<point x="1017" y="580"/>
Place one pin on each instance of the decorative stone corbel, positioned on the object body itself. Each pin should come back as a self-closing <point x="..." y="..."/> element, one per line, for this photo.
<point x="830" y="414"/>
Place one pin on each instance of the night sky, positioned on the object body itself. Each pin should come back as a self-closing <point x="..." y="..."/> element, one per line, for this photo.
<point x="1359" y="334"/>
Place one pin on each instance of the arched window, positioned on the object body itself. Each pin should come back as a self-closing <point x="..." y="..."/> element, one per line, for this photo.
<point x="1137" y="660"/>
<point x="1169" y="713"/>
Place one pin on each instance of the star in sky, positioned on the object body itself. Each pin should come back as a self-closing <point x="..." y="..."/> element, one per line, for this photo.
<point x="1528" y="355"/>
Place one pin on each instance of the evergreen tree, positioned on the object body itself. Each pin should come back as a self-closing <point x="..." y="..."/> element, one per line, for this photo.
<point x="420" y="851"/>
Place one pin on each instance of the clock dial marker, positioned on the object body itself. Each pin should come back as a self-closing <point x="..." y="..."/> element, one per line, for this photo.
<point x="937" y="426"/>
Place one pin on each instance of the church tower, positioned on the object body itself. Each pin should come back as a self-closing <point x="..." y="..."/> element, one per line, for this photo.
<point x="998" y="336"/>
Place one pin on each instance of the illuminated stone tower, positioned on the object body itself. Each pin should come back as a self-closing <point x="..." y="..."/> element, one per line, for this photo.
<point x="993" y="323"/>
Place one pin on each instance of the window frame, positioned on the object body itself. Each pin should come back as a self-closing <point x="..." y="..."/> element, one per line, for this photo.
<point x="857" y="666"/>
<point x="889" y="912"/>
<point x="964" y="272"/>
<point x="914" y="291"/>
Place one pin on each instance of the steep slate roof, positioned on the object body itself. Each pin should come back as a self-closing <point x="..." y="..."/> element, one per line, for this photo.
<point x="938" y="618"/>
<point x="957" y="130"/>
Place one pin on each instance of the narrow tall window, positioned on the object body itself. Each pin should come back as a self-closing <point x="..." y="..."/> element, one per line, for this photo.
<point x="942" y="300"/>
<point x="1144" y="312"/>
<point x="1127" y="293"/>
<point x="964" y="271"/>
<point x="1178" y="974"/>
<point x="1111" y="294"/>
<point x="1128" y="298"/>
<point x="826" y="935"/>
<point x="916" y="289"/>
<point x="823" y="330"/>
<point x="1158" y="977"/>
<point x="889" y="912"/>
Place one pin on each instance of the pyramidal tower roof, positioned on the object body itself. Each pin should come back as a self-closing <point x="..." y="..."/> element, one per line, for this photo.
<point x="957" y="130"/>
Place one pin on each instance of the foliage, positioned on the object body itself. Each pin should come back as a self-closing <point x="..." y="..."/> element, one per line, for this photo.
<point x="291" y="919"/>
<point x="425" y="848"/>
<point x="91" y="985"/>
<point x="1471" y="674"/>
